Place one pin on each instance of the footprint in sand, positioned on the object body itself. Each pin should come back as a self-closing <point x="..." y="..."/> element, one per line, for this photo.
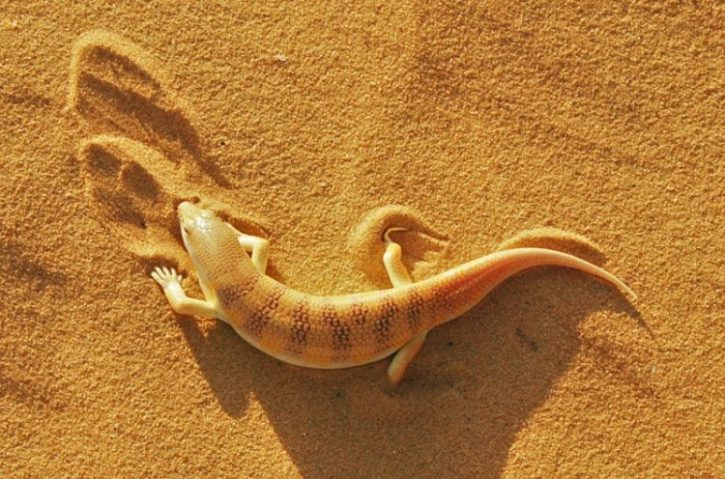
<point x="145" y="157"/>
<point x="423" y="247"/>
<point x="118" y="87"/>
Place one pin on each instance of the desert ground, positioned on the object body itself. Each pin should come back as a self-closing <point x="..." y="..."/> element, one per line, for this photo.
<point x="594" y="128"/>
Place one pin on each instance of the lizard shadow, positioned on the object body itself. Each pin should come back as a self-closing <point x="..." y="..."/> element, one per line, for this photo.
<point x="462" y="403"/>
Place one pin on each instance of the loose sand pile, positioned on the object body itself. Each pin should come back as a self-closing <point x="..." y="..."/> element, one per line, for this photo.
<point x="306" y="124"/>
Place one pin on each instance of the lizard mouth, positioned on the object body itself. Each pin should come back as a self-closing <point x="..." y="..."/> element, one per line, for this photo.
<point x="193" y="218"/>
<point x="188" y="211"/>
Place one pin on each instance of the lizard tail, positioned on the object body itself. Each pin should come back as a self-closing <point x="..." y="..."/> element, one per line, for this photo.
<point x="463" y="287"/>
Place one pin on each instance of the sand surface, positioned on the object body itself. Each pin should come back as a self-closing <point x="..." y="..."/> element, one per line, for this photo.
<point x="305" y="124"/>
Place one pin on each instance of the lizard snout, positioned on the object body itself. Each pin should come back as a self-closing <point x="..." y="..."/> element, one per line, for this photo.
<point x="188" y="211"/>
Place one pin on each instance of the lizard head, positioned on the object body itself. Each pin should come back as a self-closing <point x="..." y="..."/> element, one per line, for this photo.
<point x="195" y="222"/>
<point x="210" y="242"/>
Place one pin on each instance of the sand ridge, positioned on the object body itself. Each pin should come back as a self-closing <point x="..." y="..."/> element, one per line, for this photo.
<point x="483" y="120"/>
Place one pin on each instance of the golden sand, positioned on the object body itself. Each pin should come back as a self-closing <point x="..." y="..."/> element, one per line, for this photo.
<point x="477" y="125"/>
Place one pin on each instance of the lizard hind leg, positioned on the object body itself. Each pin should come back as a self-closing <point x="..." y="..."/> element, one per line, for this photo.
<point x="399" y="277"/>
<point x="393" y="261"/>
<point x="403" y="358"/>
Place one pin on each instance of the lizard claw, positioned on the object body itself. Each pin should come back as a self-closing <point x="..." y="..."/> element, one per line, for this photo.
<point x="392" y="229"/>
<point x="165" y="276"/>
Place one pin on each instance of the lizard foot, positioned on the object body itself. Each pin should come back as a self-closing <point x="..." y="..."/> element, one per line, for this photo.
<point x="170" y="281"/>
<point x="165" y="276"/>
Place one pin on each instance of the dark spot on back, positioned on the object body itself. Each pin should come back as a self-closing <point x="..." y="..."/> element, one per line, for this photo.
<point x="382" y="326"/>
<point x="259" y="319"/>
<point x="359" y="314"/>
<point x="339" y="331"/>
<point x="230" y="295"/>
<point x="415" y="307"/>
<point x="300" y="327"/>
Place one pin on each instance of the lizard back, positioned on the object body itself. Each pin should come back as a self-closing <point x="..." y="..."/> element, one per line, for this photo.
<point x="340" y="331"/>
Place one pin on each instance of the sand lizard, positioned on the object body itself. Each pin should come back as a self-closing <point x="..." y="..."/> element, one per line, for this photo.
<point x="329" y="332"/>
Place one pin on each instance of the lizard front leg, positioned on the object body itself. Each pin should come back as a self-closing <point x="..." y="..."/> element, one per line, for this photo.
<point x="258" y="247"/>
<point x="399" y="276"/>
<point x="170" y="281"/>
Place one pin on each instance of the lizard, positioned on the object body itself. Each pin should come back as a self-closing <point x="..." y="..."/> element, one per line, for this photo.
<point x="330" y="332"/>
